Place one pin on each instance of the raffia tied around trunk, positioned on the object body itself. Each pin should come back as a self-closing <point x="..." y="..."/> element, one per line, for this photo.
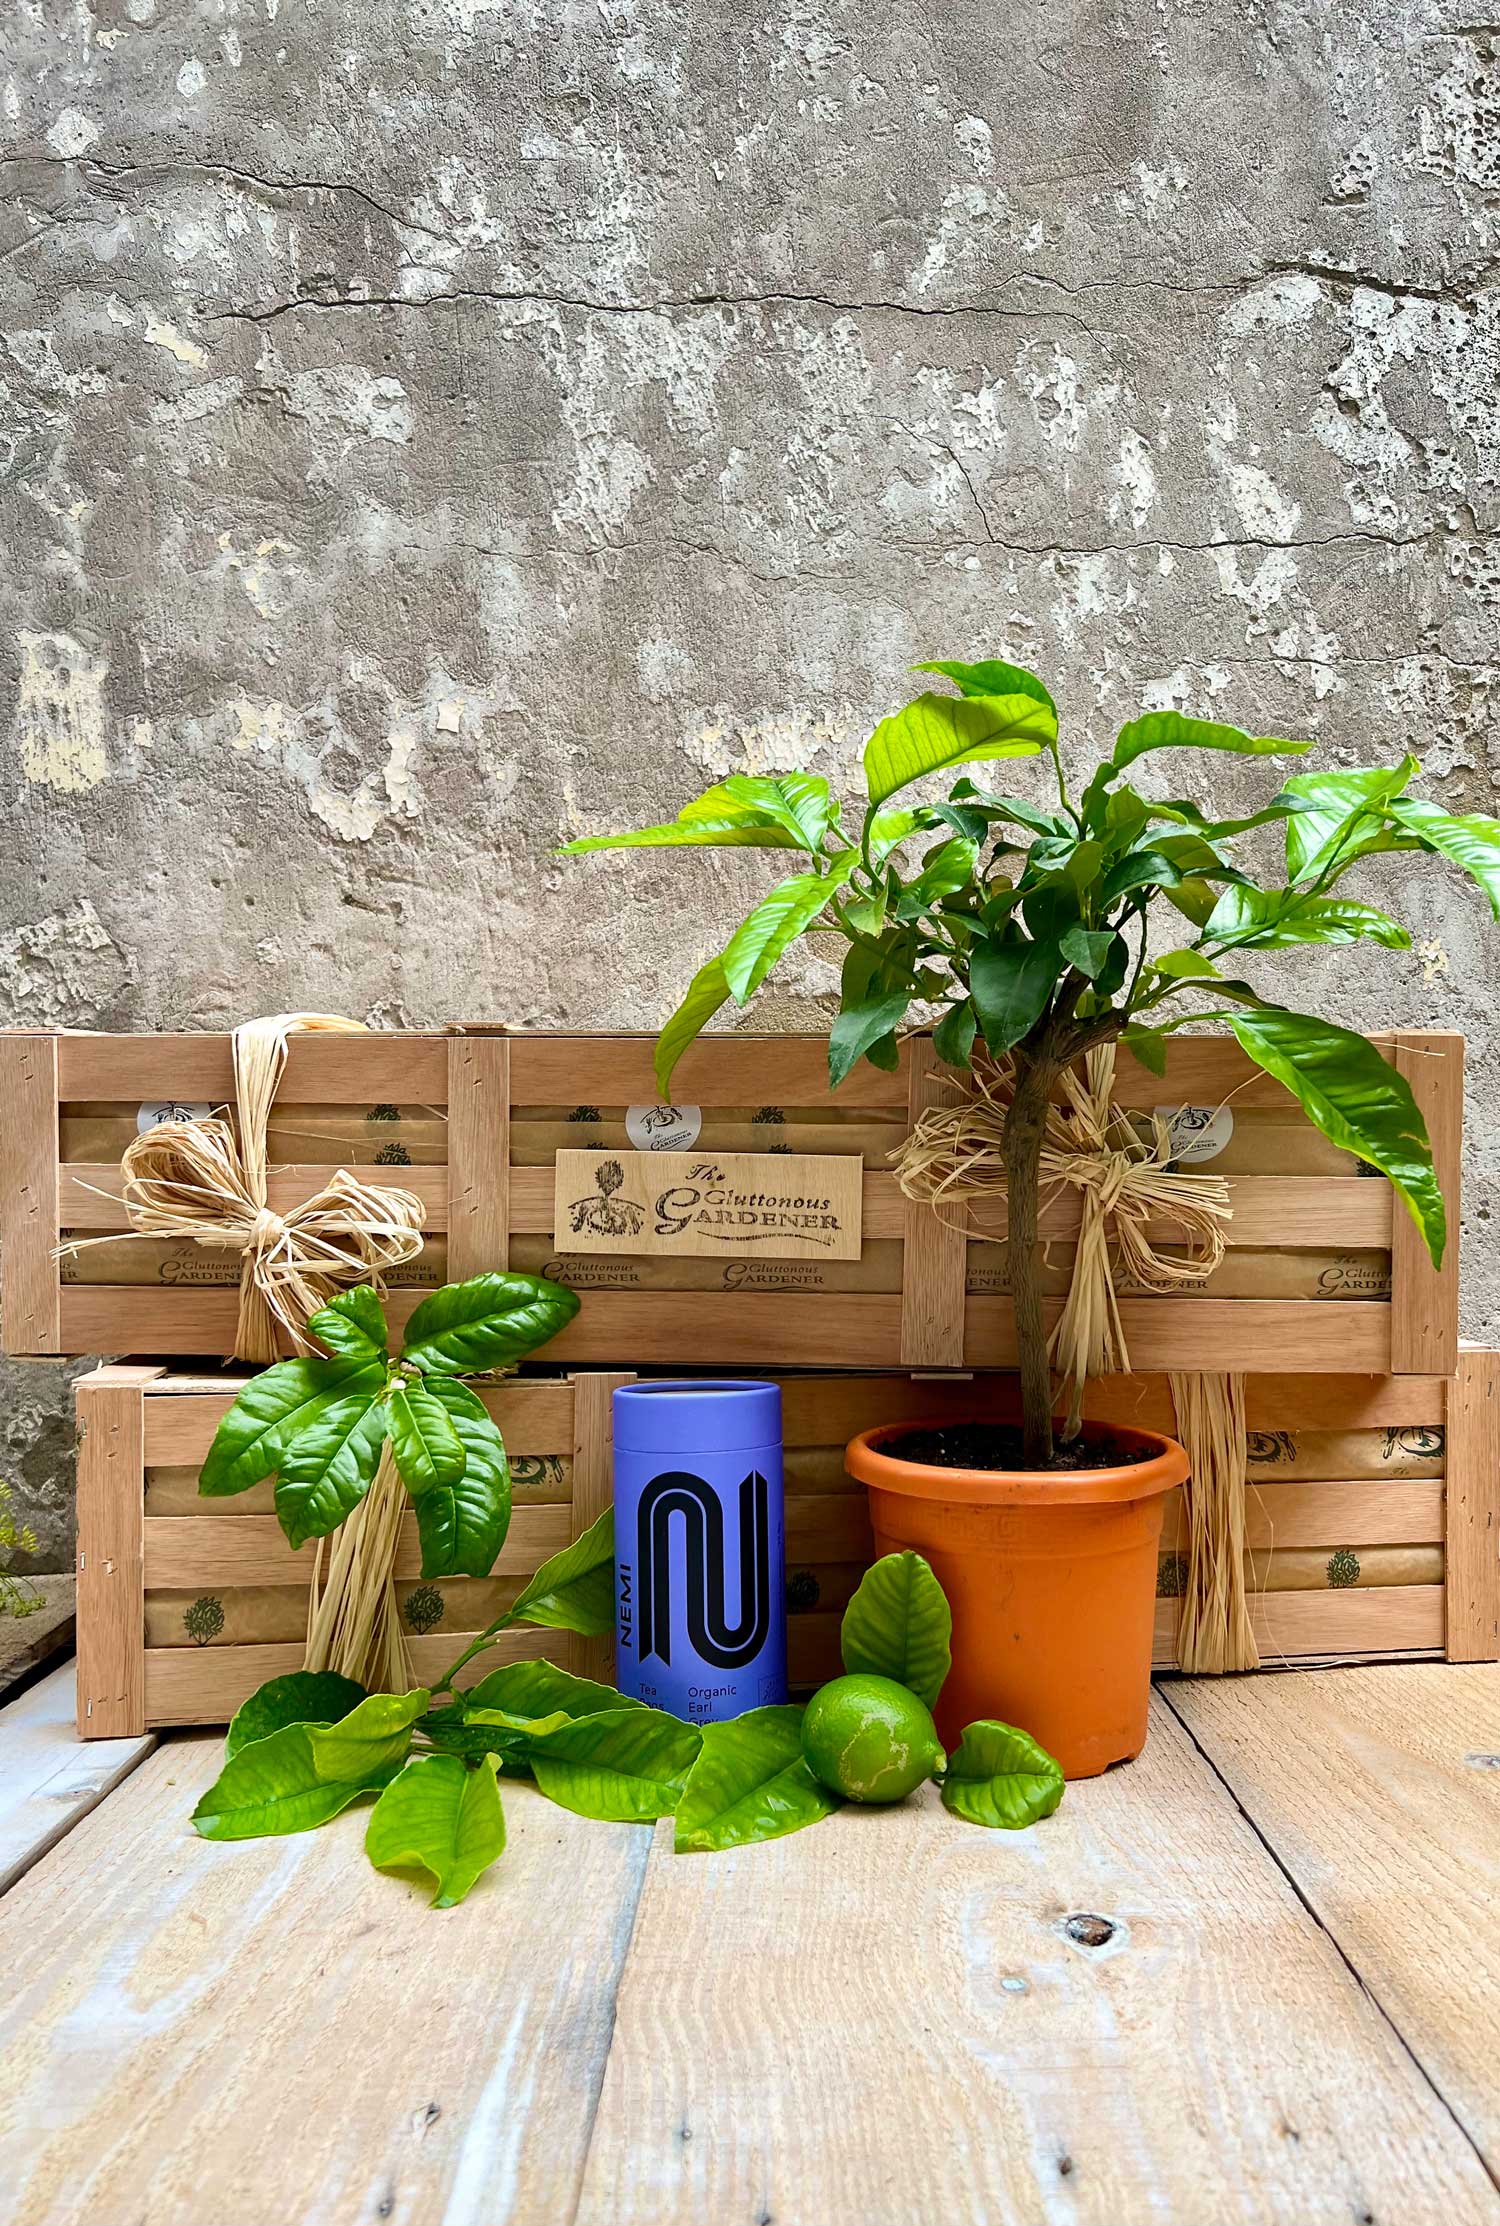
<point x="955" y="1154"/>
<point x="1214" y="1633"/>
<point x="194" y="1179"/>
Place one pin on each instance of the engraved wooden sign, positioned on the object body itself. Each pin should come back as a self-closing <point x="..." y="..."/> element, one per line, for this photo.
<point x="721" y="1205"/>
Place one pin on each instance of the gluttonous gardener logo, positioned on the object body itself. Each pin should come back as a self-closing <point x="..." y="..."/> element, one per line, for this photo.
<point x="713" y="1638"/>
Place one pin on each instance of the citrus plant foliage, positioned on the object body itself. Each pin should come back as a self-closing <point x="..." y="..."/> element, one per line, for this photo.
<point x="308" y="1746"/>
<point x="1039" y="933"/>
<point x="320" y="1423"/>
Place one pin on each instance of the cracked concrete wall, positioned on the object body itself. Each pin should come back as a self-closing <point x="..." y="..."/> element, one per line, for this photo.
<point x="431" y="427"/>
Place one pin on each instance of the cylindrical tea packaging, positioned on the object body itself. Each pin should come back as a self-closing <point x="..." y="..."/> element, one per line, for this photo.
<point x="700" y="1547"/>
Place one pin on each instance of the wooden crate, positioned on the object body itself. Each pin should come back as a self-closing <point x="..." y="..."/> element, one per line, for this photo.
<point x="144" y="1432"/>
<point x="488" y="1112"/>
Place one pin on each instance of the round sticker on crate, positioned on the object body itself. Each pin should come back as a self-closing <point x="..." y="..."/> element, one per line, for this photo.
<point x="663" y="1128"/>
<point x="1198" y="1132"/>
<point x="158" y="1110"/>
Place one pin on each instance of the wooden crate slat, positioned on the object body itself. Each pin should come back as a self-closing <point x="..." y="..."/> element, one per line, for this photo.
<point x="30" y="1309"/>
<point x="185" y="1552"/>
<point x="321" y="1069"/>
<point x="206" y="1684"/>
<point x="1424" y="1299"/>
<point x="935" y="1262"/>
<point x="1341" y="1336"/>
<point x="593" y="1492"/>
<point x="716" y="1070"/>
<point x="1376" y="1619"/>
<point x="533" y="1418"/>
<point x="478" y="1156"/>
<point x="828" y="1526"/>
<point x="111" y="1561"/>
<point x="81" y="1205"/>
<point x="1398" y="1512"/>
<point x="1472" y="1567"/>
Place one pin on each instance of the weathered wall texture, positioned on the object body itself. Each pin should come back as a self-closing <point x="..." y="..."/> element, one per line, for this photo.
<point x="430" y="428"/>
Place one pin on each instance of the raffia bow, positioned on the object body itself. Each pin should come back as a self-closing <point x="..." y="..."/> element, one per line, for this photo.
<point x="194" y="1179"/>
<point x="955" y="1154"/>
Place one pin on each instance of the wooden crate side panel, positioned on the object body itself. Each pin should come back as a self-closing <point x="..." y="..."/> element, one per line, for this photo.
<point x="1424" y="1299"/>
<point x="205" y="1685"/>
<point x="935" y="1262"/>
<point x="531" y="1417"/>
<point x="110" y="1407"/>
<point x="30" y="1314"/>
<point x="593" y="1492"/>
<point x="1473" y="1539"/>
<point x="184" y="1552"/>
<point x="382" y="1066"/>
<point x="1385" y="1619"/>
<point x="1408" y="1512"/>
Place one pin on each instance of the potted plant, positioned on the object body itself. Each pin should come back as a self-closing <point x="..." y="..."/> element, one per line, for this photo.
<point x="1023" y="934"/>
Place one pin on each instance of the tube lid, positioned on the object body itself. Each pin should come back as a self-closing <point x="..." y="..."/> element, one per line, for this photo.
<point x="696" y="1415"/>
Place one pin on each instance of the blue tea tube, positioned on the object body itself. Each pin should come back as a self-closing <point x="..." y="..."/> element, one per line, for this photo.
<point x="700" y="1547"/>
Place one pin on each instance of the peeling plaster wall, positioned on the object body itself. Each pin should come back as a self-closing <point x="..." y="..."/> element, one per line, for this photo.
<point x="430" y="429"/>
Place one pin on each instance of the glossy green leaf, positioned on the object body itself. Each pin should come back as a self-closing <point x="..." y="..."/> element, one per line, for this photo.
<point x="1348" y="816"/>
<point x="799" y="802"/>
<point x="1469" y="839"/>
<point x="1149" y="1045"/>
<point x="488" y="1322"/>
<point x="327" y="1469"/>
<point x="303" y="1774"/>
<point x="1195" y="899"/>
<point x="990" y="676"/>
<point x="575" y="1590"/>
<point x="1088" y="949"/>
<point x="718" y="818"/>
<point x="353" y="1324"/>
<point x="428" y="1449"/>
<point x="462" y="1523"/>
<point x="440" y="1818"/>
<point x="302" y="1697"/>
<point x="898" y="1625"/>
<point x="776" y="923"/>
<point x="1356" y="1098"/>
<point x="627" y="1766"/>
<point x="889" y="829"/>
<point x="707" y="991"/>
<point x="862" y="1025"/>
<point x="1283" y="805"/>
<point x="949" y="869"/>
<point x="1272" y="919"/>
<point x="252" y="1438"/>
<point x="1011" y="984"/>
<point x="1013" y="808"/>
<point x="935" y="731"/>
<point x="1170" y="730"/>
<point x="1139" y="869"/>
<point x="541" y="1688"/>
<point x="1185" y="966"/>
<point x="454" y="1730"/>
<point x="1000" y="1776"/>
<point x="749" y="1783"/>
<point x="953" y="1037"/>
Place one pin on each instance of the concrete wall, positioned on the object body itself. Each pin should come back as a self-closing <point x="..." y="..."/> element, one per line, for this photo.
<point x="430" y="429"/>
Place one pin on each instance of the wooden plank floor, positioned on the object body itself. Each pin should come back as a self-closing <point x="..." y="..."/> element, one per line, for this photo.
<point x="1251" y="1978"/>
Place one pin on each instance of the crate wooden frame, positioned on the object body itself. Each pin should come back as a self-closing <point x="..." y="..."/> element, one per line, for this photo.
<point x="479" y="1199"/>
<point x="134" y="1417"/>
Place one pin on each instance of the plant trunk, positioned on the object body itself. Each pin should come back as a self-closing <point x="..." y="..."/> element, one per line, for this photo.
<point x="1025" y="1130"/>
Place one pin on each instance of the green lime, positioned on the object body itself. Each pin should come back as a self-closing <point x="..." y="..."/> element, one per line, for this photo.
<point x="869" y="1739"/>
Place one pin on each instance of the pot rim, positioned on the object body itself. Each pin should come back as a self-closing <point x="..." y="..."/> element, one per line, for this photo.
<point x="865" y="1460"/>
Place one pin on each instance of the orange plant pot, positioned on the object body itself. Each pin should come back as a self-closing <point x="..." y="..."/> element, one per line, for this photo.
<point x="1051" y="1577"/>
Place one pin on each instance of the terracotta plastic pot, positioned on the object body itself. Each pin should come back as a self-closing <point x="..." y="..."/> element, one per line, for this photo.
<point x="1051" y="1577"/>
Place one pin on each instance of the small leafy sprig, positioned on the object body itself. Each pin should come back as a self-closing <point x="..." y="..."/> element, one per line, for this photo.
<point x="18" y="1596"/>
<point x="306" y="1747"/>
<point x="320" y="1423"/>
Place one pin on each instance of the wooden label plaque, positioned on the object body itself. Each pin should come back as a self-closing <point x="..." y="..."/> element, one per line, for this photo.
<point x="709" y="1206"/>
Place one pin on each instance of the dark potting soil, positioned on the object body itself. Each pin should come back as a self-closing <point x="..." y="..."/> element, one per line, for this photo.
<point x="999" y="1445"/>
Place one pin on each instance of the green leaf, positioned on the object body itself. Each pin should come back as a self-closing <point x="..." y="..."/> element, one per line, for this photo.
<point x="327" y="1469"/>
<point x="353" y="1324"/>
<point x="1282" y="806"/>
<point x="1341" y="801"/>
<point x="707" y="991"/>
<point x="1014" y="808"/>
<point x="1011" y="984"/>
<point x="1272" y="919"/>
<point x="627" y="1766"/>
<point x="862" y="1025"/>
<point x="1185" y="966"/>
<point x="1356" y="1098"/>
<point x="428" y="1449"/>
<point x="953" y="730"/>
<point x="303" y="1697"/>
<point x="575" y="1590"/>
<point x="488" y="1322"/>
<point x="898" y="1625"/>
<point x="949" y="869"/>
<point x="1195" y="899"/>
<point x="303" y="1774"/>
<point x="462" y="1524"/>
<point x="799" y="802"/>
<point x="776" y="923"/>
<point x="253" y="1437"/>
<point x="749" y="1783"/>
<point x="1087" y="949"/>
<point x="953" y="1037"/>
<point x="1149" y="1045"/>
<point x="1470" y="840"/>
<point x="991" y="676"/>
<point x="1169" y="730"/>
<point x="542" y="1689"/>
<point x="719" y="817"/>
<point x="889" y="829"/>
<point x="1139" y="869"/>
<point x="441" y="1818"/>
<point x="1000" y="1776"/>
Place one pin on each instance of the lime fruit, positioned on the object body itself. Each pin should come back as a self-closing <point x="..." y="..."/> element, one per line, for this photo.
<point x="870" y="1739"/>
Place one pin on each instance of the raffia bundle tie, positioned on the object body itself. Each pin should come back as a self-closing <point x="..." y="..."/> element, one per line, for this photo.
<point x="955" y="1155"/>
<point x="195" y="1179"/>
